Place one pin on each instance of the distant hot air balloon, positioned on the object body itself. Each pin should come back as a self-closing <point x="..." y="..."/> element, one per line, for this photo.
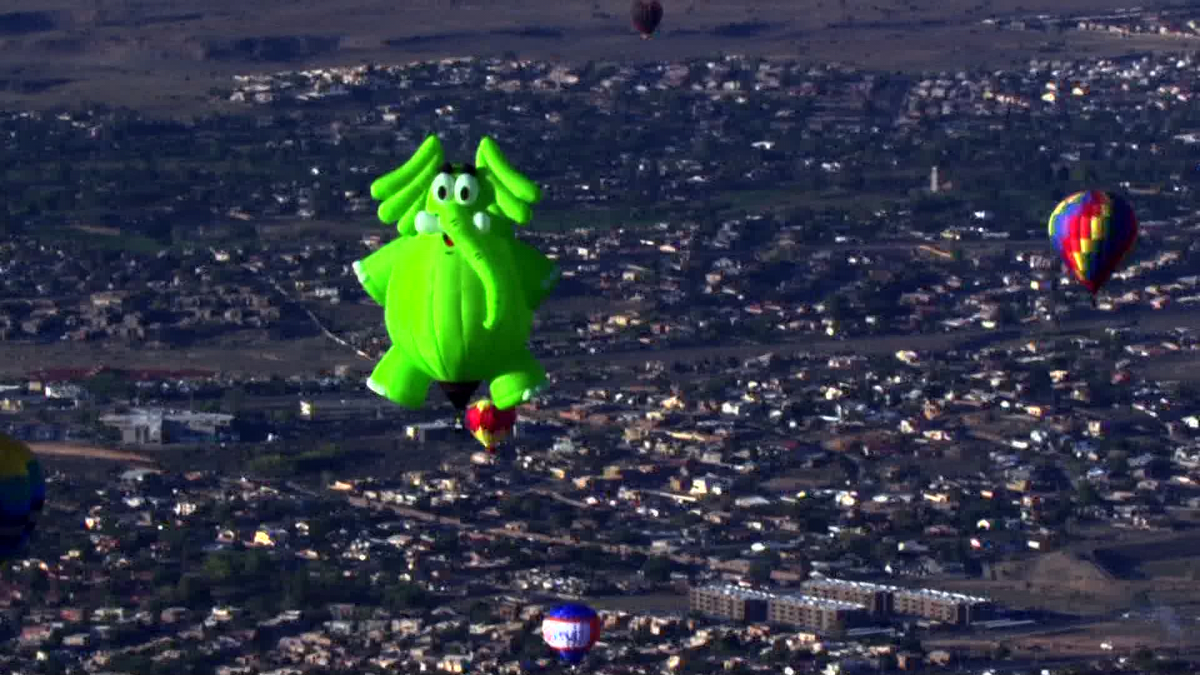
<point x="490" y="425"/>
<point x="22" y="495"/>
<point x="1093" y="232"/>
<point x="572" y="631"/>
<point x="646" y="15"/>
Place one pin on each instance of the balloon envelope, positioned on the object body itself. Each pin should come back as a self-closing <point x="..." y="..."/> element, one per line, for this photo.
<point x="646" y="16"/>
<point x="1093" y="232"/>
<point x="22" y="495"/>
<point x="490" y="425"/>
<point x="572" y="631"/>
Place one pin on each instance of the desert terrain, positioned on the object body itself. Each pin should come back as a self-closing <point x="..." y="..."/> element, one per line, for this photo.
<point x="79" y="451"/>
<point x="167" y="56"/>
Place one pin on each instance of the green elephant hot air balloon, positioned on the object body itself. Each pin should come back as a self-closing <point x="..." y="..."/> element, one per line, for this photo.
<point x="22" y="495"/>
<point x="458" y="289"/>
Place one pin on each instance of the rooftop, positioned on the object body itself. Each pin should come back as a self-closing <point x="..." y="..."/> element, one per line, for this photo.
<point x="740" y="593"/>
<point x="825" y="603"/>
<point x="147" y="415"/>
<point x="867" y="586"/>
<point x="793" y="598"/>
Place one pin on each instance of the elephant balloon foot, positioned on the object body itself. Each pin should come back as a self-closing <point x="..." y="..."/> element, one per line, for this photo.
<point x="531" y="394"/>
<point x="513" y="397"/>
<point x="518" y="386"/>
<point x="399" y="382"/>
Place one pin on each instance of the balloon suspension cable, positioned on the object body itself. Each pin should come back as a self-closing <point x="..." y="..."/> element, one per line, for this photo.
<point x="1093" y="301"/>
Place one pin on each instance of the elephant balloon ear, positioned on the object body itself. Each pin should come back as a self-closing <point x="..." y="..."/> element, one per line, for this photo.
<point x="515" y="193"/>
<point x="402" y="191"/>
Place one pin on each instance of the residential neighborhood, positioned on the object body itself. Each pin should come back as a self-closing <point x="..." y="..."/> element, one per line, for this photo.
<point x="822" y="397"/>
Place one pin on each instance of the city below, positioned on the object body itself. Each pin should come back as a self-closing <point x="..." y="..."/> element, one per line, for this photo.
<point x="822" y="397"/>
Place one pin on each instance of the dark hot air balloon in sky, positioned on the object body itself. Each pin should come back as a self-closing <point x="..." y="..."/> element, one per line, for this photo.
<point x="22" y="495"/>
<point x="646" y="16"/>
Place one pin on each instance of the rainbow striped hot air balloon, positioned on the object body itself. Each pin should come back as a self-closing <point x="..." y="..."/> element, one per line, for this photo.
<point x="572" y="631"/>
<point x="22" y="495"/>
<point x="1093" y="232"/>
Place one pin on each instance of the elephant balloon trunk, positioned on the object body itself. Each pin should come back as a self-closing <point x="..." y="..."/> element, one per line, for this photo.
<point x="492" y="264"/>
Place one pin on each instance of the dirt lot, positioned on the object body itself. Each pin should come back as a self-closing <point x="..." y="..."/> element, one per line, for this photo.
<point x="1120" y="637"/>
<point x="165" y="56"/>
<point x="659" y="602"/>
<point x="76" y="451"/>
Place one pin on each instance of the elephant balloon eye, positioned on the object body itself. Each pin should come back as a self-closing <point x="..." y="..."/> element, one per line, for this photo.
<point x="466" y="189"/>
<point x="443" y="186"/>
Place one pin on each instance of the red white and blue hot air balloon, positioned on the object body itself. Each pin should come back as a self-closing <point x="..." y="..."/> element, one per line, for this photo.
<point x="572" y="631"/>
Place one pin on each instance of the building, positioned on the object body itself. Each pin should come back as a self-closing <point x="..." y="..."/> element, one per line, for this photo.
<point x="509" y="609"/>
<point x="952" y="608"/>
<point x="158" y="427"/>
<point x="876" y="598"/>
<point x="881" y="600"/>
<point x="341" y="410"/>
<point x="734" y="603"/>
<point x="437" y="430"/>
<point x="730" y="602"/>
<point x="817" y="614"/>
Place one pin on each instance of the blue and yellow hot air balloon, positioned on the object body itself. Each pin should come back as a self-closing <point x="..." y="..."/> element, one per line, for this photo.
<point x="1093" y="232"/>
<point x="22" y="495"/>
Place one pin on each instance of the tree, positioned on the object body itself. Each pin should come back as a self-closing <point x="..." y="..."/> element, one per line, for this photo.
<point x="760" y="571"/>
<point x="481" y="613"/>
<point x="1086" y="494"/>
<point x="1040" y="383"/>
<point x="108" y="386"/>
<point x="1144" y="659"/>
<point x="658" y="569"/>
<point x="1118" y="463"/>
<point x="218" y="568"/>
<point x="192" y="592"/>
<point x="233" y="400"/>
<point x="406" y="596"/>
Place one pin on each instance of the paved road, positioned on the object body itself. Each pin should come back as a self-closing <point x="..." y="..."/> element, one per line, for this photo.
<point x="546" y="492"/>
